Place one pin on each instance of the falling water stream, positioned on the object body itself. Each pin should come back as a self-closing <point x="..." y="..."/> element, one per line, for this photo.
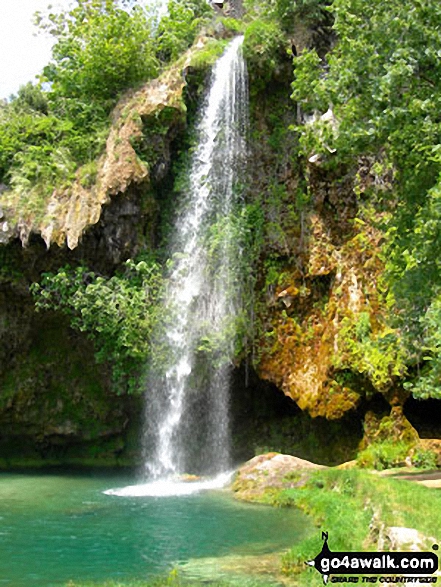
<point x="187" y="408"/>
<point x="60" y="526"/>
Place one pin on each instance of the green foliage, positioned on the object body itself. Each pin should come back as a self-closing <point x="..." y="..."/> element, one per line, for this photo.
<point x="252" y="222"/>
<point x="380" y="89"/>
<point x="305" y="11"/>
<point x="378" y="355"/>
<point x="384" y="455"/>
<point x="427" y="381"/>
<point x="424" y="458"/>
<point x="27" y="133"/>
<point x="34" y="156"/>
<point x="380" y="83"/>
<point x="31" y="98"/>
<point x="179" y="27"/>
<point x="308" y="74"/>
<point x="209" y="54"/>
<point x="101" y="50"/>
<point x="233" y="25"/>
<point x="263" y="43"/>
<point x="120" y="314"/>
<point x="288" y="13"/>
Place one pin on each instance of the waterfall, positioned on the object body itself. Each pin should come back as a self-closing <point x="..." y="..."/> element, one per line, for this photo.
<point x="187" y="407"/>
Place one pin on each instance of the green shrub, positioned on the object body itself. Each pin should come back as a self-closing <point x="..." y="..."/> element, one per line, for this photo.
<point x="179" y="27"/>
<point x="120" y="313"/>
<point x="306" y="11"/>
<point x="384" y="455"/>
<point x="263" y="45"/>
<point x="209" y="54"/>
<point x="233" y="25"/>
<point x="424" y="458"/>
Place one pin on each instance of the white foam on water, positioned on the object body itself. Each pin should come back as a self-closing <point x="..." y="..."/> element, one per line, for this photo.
<point x="171" y="487"/>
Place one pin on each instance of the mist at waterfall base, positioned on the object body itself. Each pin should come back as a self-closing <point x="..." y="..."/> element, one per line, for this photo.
<point x="187" y="427"/>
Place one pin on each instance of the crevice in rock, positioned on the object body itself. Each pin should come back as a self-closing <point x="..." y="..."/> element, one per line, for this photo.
<point x="266" y="420"/>
<point x="425" y="416"/>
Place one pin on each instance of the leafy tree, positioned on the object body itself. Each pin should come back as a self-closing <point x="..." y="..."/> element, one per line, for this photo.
<point x="47" y="130"/>
<point x="31" y="97"/>
<point x="119" y="313"/>
<point x="382" y="82"/>
<point x="179" y="27"/>
<point x="289" y="12"/>
<point x="100" y="50"/>
<point x="306" y="11"/>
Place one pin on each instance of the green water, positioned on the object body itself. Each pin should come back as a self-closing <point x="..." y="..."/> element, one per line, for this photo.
<point x="60" y="527"/>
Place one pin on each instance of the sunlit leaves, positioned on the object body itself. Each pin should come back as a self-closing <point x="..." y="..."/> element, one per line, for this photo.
<point x="382" y="81"/>
<point x="382" y="78"/>
<point x="178" y="28"/>
<point x="100" y="50"/>
<point x="119" y="313"/>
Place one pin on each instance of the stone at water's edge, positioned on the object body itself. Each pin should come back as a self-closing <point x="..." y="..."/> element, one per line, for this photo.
<point x="187" y="478"/>
<point x="268" y="472"/>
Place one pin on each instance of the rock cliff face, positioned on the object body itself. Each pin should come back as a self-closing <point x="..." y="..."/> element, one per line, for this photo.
<point x="332" y="282"/>
<point x="317" y="288"/>
<point x="137" y="153"/>
<point x="56" y="403"/>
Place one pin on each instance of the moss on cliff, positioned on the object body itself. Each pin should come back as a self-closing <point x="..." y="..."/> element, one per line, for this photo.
<point x="317" y="304"/>
<point x="55" y="405"/>
<point x="323" y="334"/>
<point x="144" y="123"/>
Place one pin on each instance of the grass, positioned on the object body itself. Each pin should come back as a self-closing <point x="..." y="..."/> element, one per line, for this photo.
<point x="384" y="455"/>
<point x="172" y="580"/>
<point x="352" y="506"/>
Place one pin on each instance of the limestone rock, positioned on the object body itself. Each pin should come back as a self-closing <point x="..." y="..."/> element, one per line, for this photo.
<point x="398" y="538"/>
<point x="308" y="351"/>
<point x="7" y="229"/>
<point x="69" y="211"/>
<point x="268" y="472"/>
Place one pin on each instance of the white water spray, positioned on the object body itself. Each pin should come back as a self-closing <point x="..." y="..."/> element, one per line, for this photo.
<point x="187" y="409"/>
<point x="189" y="406"/>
